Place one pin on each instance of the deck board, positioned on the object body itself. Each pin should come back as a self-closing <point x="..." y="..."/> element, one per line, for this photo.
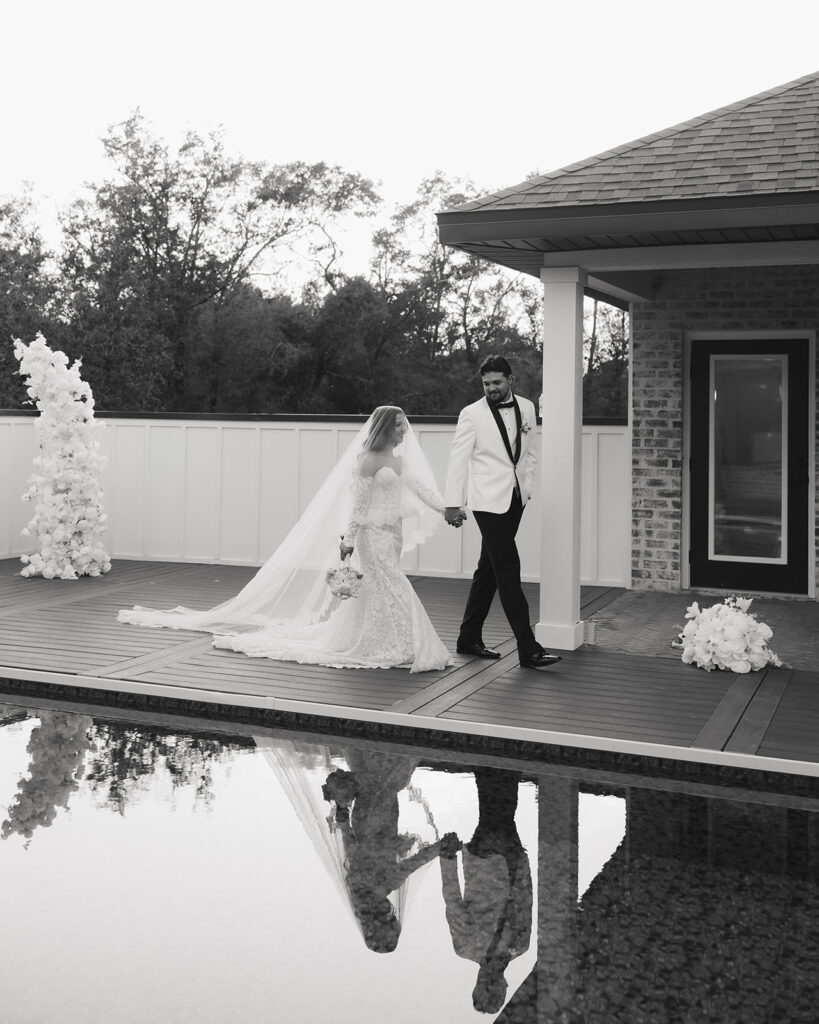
<point x="652" y="700"/>
<point x="794" y="722"/>
<point x="57" y="630"/>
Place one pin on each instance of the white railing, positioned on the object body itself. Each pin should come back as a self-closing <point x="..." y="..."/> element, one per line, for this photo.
<point x="204" y="490"/>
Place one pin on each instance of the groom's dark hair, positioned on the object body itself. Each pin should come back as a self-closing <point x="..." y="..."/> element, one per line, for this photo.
<point x="496" y="364"/>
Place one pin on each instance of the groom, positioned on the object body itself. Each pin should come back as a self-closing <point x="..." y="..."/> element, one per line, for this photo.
<point x="491" y="469"/>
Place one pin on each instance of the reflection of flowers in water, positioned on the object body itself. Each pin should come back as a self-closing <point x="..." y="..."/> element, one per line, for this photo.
<point x="114" y="758"/>
<point x="57" y="747"/>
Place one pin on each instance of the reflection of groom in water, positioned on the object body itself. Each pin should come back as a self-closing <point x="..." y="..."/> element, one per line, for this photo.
<point x="492" y="921"/>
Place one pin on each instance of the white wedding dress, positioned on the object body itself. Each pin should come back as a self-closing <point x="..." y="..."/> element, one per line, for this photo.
<point x="382" y="496"/>
<point x="386" y="626"/>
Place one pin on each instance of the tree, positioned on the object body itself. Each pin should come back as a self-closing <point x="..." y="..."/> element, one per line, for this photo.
<point x="177" y="286"/>
<point x="324" y="194"/>
<point x="605" y="360"/>
<point x="453" y="308"/>
<point x="25" y="306"/>
<point x="260" y="345"/>
<point x="468" y="304"/>
<point x="173" y="237"/>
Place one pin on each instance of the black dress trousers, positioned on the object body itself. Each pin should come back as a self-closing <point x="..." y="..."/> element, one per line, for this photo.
<point x="499" y="570"/>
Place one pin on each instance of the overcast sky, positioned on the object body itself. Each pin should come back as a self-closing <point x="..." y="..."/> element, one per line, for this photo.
<point x="490" y="91"/>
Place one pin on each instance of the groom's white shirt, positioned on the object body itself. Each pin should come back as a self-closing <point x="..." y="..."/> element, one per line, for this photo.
<point x="480" y="475"/>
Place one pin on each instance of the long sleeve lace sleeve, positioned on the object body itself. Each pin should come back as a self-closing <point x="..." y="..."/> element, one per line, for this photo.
<point x="362" y="493"/>
<point x="432" y="499"/>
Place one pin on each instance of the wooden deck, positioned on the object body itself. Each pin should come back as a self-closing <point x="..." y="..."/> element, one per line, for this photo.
<point x="66" y="634"/>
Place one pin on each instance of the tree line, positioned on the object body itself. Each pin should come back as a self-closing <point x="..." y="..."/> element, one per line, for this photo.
<point x="190" y="280"/>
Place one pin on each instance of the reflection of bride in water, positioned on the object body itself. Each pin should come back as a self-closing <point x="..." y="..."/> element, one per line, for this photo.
<point x="371" y="863"/>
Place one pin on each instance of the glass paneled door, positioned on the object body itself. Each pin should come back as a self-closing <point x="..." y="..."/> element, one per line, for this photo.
<point x="749" y="465"/>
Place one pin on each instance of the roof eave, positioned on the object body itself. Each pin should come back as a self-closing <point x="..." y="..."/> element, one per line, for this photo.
<point x="757" y="210"/>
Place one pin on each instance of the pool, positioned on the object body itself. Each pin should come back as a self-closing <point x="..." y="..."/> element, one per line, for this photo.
<point x="175" y="870"/>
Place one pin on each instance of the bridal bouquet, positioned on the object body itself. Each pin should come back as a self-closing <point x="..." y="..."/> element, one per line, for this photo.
<point x="726" y="636"/>
<point x="344" y="582"/>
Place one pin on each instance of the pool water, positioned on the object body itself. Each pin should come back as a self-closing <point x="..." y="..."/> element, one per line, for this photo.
<point x="173" y="870"/>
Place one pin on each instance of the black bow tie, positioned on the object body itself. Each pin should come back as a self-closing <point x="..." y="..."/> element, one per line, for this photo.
<point x="505" y="405"/>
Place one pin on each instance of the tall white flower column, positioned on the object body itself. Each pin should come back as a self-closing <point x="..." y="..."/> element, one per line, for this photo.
<point x="65" y="488"/>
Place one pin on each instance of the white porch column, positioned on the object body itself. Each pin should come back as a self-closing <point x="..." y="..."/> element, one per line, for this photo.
<point x="560" y="480"/>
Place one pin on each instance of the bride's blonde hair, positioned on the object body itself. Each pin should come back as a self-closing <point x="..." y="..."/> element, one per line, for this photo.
<point x="381" y="428"/>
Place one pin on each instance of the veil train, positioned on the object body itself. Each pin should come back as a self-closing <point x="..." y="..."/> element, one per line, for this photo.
<point x="291" y="587"/>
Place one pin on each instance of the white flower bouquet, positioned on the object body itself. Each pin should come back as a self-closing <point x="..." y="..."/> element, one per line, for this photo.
<point x="726" y="636"/>
<point x="344" y="582"/>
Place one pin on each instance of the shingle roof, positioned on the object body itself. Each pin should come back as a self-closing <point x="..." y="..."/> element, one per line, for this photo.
<point x="765" y="144"/>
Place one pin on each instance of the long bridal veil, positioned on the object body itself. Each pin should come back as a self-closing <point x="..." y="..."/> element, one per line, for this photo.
<point x="290" y="587"/>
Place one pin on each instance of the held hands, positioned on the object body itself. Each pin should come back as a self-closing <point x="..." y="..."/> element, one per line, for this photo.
<point x="455" y="516"/>
<point x="449" y="845"/>
<point x="345" y="549"/>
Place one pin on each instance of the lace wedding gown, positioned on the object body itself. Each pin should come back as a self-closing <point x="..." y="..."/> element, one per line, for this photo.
<point x="386" y="626"/>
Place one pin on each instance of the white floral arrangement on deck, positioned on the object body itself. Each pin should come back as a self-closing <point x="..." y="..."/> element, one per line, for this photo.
<point x="65" y="489"/>
<point x="726" y="636"/>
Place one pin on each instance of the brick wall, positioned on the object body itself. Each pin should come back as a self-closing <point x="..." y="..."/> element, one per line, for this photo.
<point x="737" y="299"/>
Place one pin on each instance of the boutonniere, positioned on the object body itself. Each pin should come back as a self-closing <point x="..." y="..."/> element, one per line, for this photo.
<point x="525" y="428"/>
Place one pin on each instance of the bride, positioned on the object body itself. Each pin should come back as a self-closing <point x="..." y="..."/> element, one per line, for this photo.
<point x="382" y="497"/>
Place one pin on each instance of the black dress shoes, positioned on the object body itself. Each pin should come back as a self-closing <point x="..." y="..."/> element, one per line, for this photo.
<point x="540" y="659"/>
<point x="477" y="651"/>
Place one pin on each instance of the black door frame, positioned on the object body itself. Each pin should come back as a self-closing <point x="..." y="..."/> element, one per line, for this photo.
<point x="734" y="576"/>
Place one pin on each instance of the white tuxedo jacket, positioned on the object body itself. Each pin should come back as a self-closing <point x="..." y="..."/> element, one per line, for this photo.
<point x="481" y="475"/>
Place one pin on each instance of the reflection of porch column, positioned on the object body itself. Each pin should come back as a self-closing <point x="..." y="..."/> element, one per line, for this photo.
<point x="556" y="896"/>
<point x="560" y="480"/>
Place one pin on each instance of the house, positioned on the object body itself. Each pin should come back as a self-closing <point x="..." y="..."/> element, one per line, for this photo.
<point x="709" y="231"/>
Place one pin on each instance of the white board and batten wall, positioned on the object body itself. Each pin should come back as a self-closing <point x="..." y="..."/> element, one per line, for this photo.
<point x="228" y="491"/>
